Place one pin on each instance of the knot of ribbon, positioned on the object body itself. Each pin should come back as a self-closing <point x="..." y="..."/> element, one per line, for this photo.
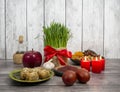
<point x="50" y="52"/>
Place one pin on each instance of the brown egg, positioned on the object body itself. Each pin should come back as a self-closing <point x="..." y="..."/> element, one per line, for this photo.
<point x="83" y="75"/>
<point x="69" y="77"/>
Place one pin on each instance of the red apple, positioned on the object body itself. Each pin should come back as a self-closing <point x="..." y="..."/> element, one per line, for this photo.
<point x="32" y="59"/>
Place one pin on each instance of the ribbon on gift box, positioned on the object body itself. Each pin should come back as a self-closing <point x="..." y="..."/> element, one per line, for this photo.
<point x="50" y="52"/>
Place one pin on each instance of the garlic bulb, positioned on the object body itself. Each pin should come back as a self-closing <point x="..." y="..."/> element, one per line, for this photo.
<point x="49" y="65"/>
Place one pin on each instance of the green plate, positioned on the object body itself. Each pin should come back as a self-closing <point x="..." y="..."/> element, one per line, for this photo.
<point x="75" y="61"/>
<point x="15" y="75"/>
<point x="58" y="73"/>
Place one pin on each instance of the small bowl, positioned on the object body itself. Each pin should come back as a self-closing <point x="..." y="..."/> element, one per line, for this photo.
<point x="76" y="61"/>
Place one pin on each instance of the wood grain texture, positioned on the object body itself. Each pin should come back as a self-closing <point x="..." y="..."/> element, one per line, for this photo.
<point x="54" y="11"/>
<point x="112" y="28"/>
<point x="15" y="24"/>
<point x="2" y="29"/>
<point x="34" y="24"/>
<point x="74" y="23"/>
<point x="107" y="81"/>
<point x="93" y="25"/>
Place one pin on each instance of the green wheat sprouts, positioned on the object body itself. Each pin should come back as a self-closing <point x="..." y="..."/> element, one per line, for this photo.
<point x="56" y="35"/>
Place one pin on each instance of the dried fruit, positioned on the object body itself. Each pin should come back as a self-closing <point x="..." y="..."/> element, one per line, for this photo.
<point x="67" y="67"/>
<point x="77" y="55"/>
<point x="90" y="53"/>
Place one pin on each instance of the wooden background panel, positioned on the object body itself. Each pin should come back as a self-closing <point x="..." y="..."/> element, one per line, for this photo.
<point x="34" y="24"/>
<point x="2" y="29"/>
<point x="15" y="24"/>
<point x="93" y="25"/>
<point x="54" y="11"/>
<point x="112" y="28"/>
<point x="74" y="23"/>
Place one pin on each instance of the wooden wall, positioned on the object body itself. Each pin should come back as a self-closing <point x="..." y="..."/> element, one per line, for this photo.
<point x="94" y="24"/>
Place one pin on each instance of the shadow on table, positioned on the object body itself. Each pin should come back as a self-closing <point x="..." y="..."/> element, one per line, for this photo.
<point x="15" y="83"/>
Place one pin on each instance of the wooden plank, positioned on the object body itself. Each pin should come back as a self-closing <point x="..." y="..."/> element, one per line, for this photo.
<point x="93" y="25"/>
<point x="54" y="11"/>
<point x="112" y="28"/>
<point x="34" y="24"/>
<point x="15" y="24"/>
<point x="55" y="88"/>
<point x="2" y="29"/>
<point x="74" y="23"/>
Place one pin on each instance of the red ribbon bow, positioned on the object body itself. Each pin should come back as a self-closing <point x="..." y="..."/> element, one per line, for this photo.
<point x="50" y="52"/>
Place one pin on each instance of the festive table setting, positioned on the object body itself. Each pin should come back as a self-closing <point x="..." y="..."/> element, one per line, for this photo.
<point x="59" y="69"/>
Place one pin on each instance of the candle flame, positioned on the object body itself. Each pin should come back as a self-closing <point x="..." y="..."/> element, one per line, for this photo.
<point x="96" y="58"/>
<point x="85" y="58"/>
<point x="100" y="57"/>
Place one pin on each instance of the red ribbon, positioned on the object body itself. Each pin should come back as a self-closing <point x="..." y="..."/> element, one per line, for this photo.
<point x="50" y="52"/>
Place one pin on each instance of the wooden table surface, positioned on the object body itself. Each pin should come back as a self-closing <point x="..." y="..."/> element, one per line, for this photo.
<point x="107" y="81"/>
